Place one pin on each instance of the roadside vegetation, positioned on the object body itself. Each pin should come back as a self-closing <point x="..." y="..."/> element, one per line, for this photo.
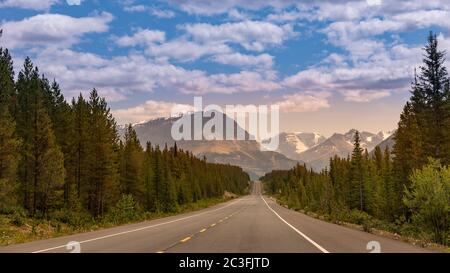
<point x="405" y="190"/>
<point x="64" y="168"/>
<point x="17" y="227"/>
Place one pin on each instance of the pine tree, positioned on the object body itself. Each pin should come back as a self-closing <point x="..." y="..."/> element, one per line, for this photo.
<point x="388" y="186"/>
<point x="102" y="184"/>
<point x="8" y="95"/>
<point x="409" y="155"/>
<point x="369" y="185"/>
<point x="356" y="174"/>
<point x="433" y="80"/>
<point x="148" y="178"/>
<point x="156" y="180"/>
<point x="131" y="175"/>
<point x="79" y="154"/>
<point x="9" y="142"/>
<point x="167" y="194"/>
<point x="26" y="81"/>
<point x="446" y="148"/>
<point x="9" y="159"/>
<point x="61" y="116"/>
<point x="49" y="166"/>
<point x="29" y="88"/>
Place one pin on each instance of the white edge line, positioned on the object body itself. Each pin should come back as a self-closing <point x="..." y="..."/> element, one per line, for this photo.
<point x="296" y="230"/>
<point x="137" y="229"/>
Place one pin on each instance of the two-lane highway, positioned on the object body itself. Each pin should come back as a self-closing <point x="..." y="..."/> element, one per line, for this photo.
<point x="249" y="224"/>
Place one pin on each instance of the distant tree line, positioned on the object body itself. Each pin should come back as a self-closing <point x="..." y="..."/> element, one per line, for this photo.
<point x="61" y="156"/>
<point x="409" y="185"/>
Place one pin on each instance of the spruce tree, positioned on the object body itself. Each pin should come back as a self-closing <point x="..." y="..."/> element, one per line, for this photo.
<point x="167" y="194"/>
<point x="131" y="176"/>
<point x="409" y="154"/>
<point x="148" y="178"/>
<point x="29" y="97"/>
<point x="432" y="82"/>
<point x="102" y="177"/>
<point x="156" y="180"/>
<point x="8" y="95"/>
<point x="9" y="159"/>
<point x="61" y="116"/>
<point x="9" y="142"/>
<point x="49" y="166"/>
<point x="79" y="154"/>
<point x="356" y="175"/>
<point x="388" y="186"/>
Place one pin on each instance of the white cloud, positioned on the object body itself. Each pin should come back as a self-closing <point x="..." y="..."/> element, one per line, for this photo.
<point x="70" y="58"/>
<point x="142" y="37"/>
<point x="363" y="95"/>
<point x="54" y="30"/>
<point x="74" y="2"/>
<point x="184" y="51"/>
<point x="136" y="8"/>
<point x="375" y="77"/>
<point x="263" y="60"/>
<point x="244" y="81"/>
<point x="160" y="13"/>
<point x="252" y="35"/>
<point x="205" y="40"/>
<point x="237" y="15"/>
<point x="208" y="7"/>
<point x="122" y="77"/>
<point x="28" y="4"/>
<point x="304" y="102"/>
<point x="343" y="33"/>
<point x="370" y="68"/>
<point x="287" y="16"/>
<point x="151" y="109"/>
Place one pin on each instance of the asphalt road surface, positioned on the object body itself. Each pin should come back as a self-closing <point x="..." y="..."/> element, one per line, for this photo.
<point x="249" y="224"/>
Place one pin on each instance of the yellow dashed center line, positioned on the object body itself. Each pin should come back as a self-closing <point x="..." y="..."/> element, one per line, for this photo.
<point x="201" y="231"/>
<point x="186" y="239"/>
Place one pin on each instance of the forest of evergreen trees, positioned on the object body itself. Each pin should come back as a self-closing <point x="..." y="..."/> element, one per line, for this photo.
<point x="60" y="158"/>
<point x="408" y="187"/>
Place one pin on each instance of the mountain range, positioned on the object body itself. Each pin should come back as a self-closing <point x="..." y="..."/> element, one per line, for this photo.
<point x="312" y="149"/>
<point x="244" y="153"/>
<point x="318" y="156"/>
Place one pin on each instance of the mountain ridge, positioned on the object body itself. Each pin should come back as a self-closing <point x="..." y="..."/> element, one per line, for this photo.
<point x="246" y="153"/>
<point x="312" y="149"/>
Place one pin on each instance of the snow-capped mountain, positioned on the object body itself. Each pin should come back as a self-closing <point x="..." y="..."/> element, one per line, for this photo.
<point x="341" y="145"/>
<point x="244" y="153"/>
<point x="388" y="142"/>
<point x="311" y="148"/>
<point x="292" y="144"/>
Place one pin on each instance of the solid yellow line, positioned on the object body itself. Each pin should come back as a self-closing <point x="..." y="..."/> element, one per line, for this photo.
<point x="203" y="230"/>
<point x="213" y="224"/>
<point x="186" y="239"/>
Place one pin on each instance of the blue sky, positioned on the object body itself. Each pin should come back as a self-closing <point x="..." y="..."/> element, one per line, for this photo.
<point x="330" y="65"/>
